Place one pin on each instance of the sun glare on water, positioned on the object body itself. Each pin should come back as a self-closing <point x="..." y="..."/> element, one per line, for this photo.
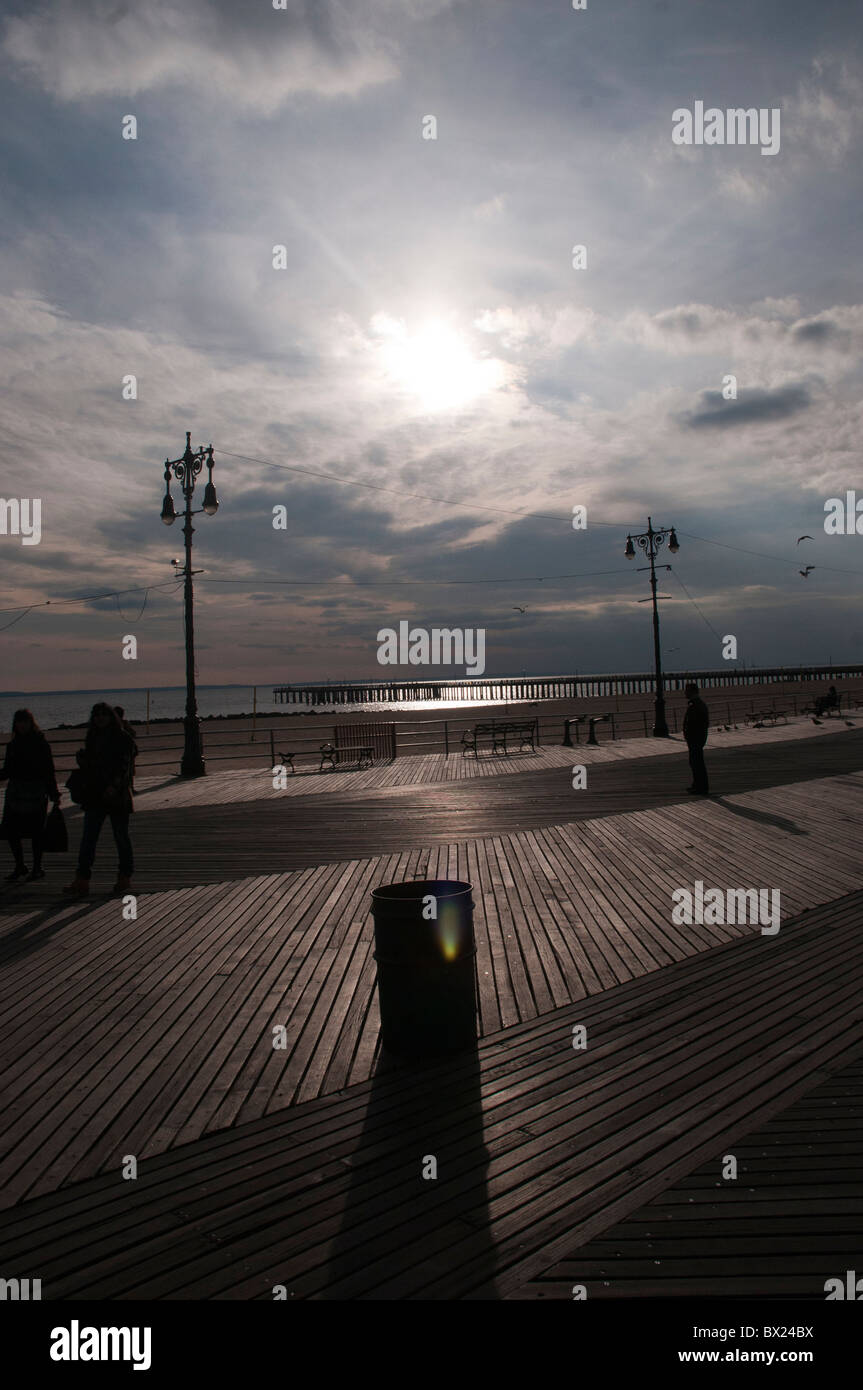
<point x="434" y="364"/>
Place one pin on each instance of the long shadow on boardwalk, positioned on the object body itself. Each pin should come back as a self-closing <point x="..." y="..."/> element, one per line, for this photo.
<point x="39" y="929"/>
<point x="328" y="1197"/>
<point x="418" y="1186"/>
<point x="760" y="817"/>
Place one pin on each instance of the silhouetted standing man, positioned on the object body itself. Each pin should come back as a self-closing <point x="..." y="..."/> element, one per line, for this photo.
<point x="695" y="726"/>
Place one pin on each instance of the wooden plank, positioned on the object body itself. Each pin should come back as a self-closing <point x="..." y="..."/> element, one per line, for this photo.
<point x="747" y="1238"/>
<point x="164" y="1038"/>
<point x="296" y="832"/>
<point x="540" y="1187"/>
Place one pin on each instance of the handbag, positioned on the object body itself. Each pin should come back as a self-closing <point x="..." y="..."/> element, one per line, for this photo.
<point x="55" y="837"/>
<point x="76" y="785"/>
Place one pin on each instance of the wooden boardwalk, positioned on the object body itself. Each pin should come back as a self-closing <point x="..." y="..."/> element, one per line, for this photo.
<point x="188" y="846"/>
<point x="539" y="1147"/>
<point x="153" y="1037"/>
<point x="421" y="770"/>
<point x="139" y="1036"/>
<point x="792" y="1219"/>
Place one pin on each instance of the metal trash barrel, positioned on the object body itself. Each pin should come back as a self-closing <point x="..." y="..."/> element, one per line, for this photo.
<point x="426" y="959"/>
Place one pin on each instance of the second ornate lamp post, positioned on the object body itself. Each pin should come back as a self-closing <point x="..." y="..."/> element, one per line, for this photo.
<point x="186" y="470"/>
<point x="651" y="541"/>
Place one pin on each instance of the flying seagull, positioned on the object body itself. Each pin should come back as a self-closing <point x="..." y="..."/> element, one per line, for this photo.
<point x="517" y="609"/>
<point x="805" y="572"/>
<point x="804" y="538"/>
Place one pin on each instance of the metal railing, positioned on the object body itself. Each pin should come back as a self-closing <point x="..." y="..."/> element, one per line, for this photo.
<point x="244" y="746"/>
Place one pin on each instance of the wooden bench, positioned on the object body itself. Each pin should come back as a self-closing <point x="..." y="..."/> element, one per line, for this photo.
<point x="498" y="731"/>
<point x="287" y="760"/>
<point x="592" y="720"/>
<point x="768" y="718"/>
<point x="362" y="754"/>
<point x="598" y="719"/>
<point x="835" y="707"/>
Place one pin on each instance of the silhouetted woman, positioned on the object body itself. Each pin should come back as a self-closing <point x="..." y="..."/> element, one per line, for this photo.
<point x="29" y="767"/>
<point x="106" y="763"/>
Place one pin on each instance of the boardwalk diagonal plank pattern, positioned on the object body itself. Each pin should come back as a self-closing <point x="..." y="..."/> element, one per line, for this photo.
<point x="141" y="1036"/>
<point x="540" y="1147"/>
<point x="791" y="1220"/>
<point x="212" y="843"/>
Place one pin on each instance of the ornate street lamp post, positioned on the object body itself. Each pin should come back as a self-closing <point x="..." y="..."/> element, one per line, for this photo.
<point x="651" y="541"/>
<point x="186" y="470"/>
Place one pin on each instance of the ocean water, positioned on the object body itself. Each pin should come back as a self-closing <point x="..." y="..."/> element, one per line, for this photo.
<point x="53" y="708"/>
<point x="73" y="706"/>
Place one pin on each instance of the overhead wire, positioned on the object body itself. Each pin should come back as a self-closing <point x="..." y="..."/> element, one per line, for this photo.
<point x="694" y="603"/>
<point x="23" y="610"/>
<point x="140" y="612"/>
<point x="412" y="496"/>
<point x="400" y="582"/>
<point x="90" y="598"/>
<point x="760" y="555"/>
<point x="502" y="511"/>
<point x="6" y="626"/>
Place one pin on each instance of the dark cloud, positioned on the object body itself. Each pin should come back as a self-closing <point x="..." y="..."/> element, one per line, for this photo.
<point x="751" y="407"/>
<point x="817" y="331"/>
<point x="358" y="604"/>
<point x="680" y="320"/>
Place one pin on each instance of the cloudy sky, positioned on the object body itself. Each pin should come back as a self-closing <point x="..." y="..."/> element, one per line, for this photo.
<point x="429" y="336"/>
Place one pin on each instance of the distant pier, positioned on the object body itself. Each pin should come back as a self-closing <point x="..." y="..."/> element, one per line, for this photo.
<point x="514" y="689"/>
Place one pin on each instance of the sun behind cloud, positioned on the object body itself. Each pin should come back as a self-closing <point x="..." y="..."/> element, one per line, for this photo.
<point x="433" y="363"/>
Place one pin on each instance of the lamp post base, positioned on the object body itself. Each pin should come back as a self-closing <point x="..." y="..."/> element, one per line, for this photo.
<point x="660" y="726"/>
<point x="192" y="764"/>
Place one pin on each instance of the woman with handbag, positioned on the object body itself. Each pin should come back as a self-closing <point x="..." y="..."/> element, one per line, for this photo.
<point x="29" y="767"/>
<point x="103" y="785"/>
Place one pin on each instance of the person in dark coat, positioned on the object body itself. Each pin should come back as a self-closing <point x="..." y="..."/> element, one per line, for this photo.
<point x="696" y="723"/>
<point x="106" y="762"/>
<point x="127" y="729"/>
<point x="29" y="767"/>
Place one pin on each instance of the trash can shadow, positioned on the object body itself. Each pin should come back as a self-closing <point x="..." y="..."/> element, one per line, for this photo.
<point x="415" y="1216"/>
<point x="415" y="1221"/>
